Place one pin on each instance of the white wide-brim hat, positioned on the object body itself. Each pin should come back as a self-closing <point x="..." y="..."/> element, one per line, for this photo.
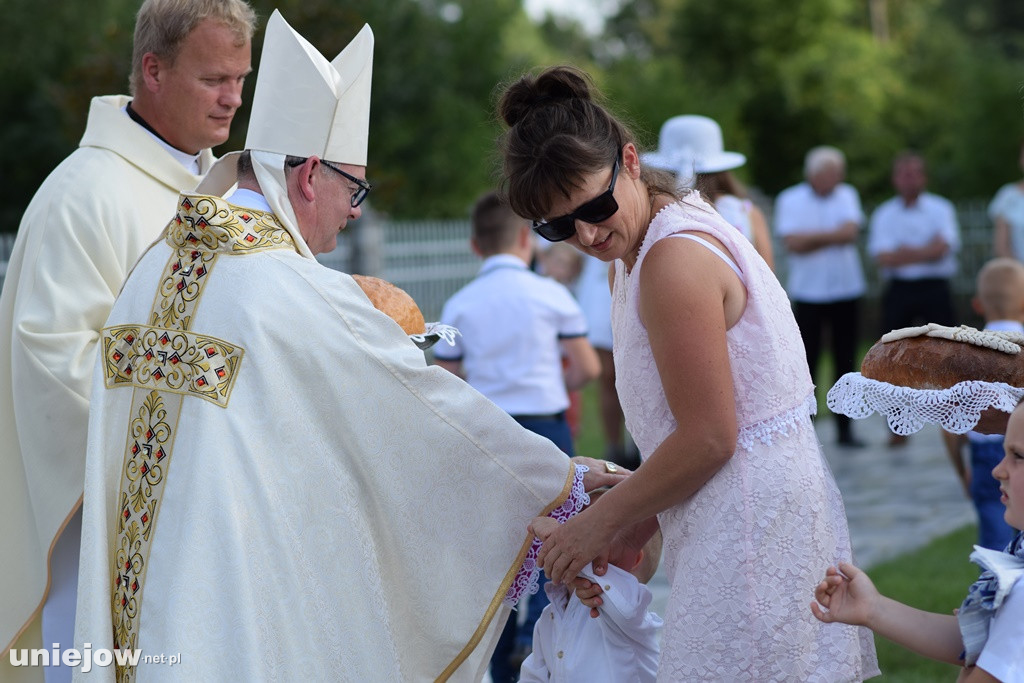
<point x="692" y="144"/>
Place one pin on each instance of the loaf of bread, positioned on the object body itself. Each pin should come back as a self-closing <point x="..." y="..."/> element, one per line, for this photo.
<point x="394" y="302"/>
<point x="937" y="357"/>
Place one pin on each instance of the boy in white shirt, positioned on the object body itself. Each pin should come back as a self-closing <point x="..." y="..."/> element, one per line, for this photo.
<point x="620" y="645"/>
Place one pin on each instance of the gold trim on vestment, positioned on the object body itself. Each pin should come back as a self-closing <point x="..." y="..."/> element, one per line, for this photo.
<point x="506" y="583"/>
<point x="143" y="480"/>
<point x="164" y="362"/>
<point x="170" y="360"/>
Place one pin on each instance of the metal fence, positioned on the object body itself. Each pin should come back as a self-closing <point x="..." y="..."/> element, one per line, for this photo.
<point x="432" y="259"/>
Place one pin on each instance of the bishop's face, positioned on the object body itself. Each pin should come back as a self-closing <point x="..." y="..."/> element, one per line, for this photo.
<point x="333" y="208"/>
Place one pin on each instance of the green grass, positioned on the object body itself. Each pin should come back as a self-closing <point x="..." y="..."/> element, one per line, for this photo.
<point x="590" y="439"/>
<point x="934" y="578"/>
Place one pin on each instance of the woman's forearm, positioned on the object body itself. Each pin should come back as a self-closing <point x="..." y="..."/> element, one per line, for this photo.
<point x="679" y="467"/>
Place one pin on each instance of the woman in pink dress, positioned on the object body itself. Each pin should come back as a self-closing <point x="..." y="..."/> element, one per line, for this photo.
<point x="715" y="389"/>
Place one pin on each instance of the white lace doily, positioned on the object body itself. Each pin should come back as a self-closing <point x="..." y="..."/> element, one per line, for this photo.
<point x="907" y="410"/>
<point x="433" y="333"/>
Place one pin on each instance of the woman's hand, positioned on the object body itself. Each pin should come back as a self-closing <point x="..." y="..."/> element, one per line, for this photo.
<point x="602" y="473"/>
<point x="569" y="547"/>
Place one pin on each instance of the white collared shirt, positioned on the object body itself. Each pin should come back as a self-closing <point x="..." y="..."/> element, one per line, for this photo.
<point x="619" y="646"/>
<point x="830" y="273"/>
<point x="511" y="322"/>
<point x="895" y="225"/>
<point x="1003" y="654"/>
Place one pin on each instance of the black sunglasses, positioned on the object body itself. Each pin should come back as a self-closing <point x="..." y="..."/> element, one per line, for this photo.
<point x="601" y="207"/>
<point x="363" y="187"/>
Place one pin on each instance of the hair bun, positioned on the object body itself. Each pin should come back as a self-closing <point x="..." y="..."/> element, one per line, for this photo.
<point x="552" y="85"/>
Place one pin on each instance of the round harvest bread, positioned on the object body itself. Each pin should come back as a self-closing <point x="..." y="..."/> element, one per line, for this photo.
<point x="930" y="359"/>
<point x="393" y="301"/>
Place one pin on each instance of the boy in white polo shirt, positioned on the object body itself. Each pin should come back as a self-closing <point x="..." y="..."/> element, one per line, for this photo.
<point x="516" y="326"/>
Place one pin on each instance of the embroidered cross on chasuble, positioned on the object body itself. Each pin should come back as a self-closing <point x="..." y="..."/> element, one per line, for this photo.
<point x="166" y="362"/>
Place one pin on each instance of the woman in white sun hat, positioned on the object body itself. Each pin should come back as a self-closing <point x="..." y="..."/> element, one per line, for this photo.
<point x="691" y="147"/>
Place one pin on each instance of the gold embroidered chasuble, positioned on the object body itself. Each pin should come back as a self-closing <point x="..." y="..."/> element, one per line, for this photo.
<point x="315" y="515"/>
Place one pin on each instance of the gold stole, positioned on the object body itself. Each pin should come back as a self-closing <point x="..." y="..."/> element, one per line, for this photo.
<point x="164" y="362"/>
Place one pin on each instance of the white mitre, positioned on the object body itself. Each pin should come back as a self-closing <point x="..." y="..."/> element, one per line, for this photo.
<point x="303" y="106"/>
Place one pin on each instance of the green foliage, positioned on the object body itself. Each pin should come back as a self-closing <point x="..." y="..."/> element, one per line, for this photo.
<point x="52" y="62"/>
<point x="934" y="578"/>
<point x="780" y="76"/>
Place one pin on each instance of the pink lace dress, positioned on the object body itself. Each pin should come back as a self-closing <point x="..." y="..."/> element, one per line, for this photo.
<point x="744" y="553"/>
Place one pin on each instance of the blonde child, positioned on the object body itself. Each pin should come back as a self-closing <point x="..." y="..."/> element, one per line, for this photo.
<point x="621" y="644"/>
<point x="986" y="635"/>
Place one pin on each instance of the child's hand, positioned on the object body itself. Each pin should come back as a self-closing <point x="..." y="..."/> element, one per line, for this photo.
<point x="589" y="594"/>
<point x="541" y="527"/>
<point x="847" y="594"/>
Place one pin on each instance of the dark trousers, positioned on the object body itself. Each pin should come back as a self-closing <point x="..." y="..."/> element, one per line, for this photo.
<point x="906" y="303"/>
<point x="555" y="428"/>
<point x="839" y="322"/>
<point x="993" y="531"/>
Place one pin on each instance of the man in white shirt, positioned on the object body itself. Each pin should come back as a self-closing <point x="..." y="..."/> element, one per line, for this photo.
<point x="516" y="327"/>
<point x="79" y="237"/>
<point x="914" y="237"/>
<point x="819" y="222"/>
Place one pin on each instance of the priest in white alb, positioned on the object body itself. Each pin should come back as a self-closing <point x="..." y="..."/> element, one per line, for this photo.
<point x="277" y="486"/>
<point x="78" y="239"/>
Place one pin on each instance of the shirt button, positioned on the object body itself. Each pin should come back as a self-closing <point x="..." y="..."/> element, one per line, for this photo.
<point x="560" y="654"/>
<point x="607" y="587"/>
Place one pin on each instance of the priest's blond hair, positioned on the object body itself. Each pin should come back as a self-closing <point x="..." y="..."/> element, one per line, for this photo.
<point x="161" y="26"/>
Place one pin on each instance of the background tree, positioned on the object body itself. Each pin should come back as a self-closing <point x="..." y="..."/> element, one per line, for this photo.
<point x="780" y="76"/>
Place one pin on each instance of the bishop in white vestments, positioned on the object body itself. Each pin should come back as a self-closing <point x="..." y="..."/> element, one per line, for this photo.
<point x="278" y="486"/>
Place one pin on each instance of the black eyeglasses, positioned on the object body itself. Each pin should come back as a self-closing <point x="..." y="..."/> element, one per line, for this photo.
<point x="361" y="192"/>
<point x="364" y="187"/>
<point x="600" y="208"/>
